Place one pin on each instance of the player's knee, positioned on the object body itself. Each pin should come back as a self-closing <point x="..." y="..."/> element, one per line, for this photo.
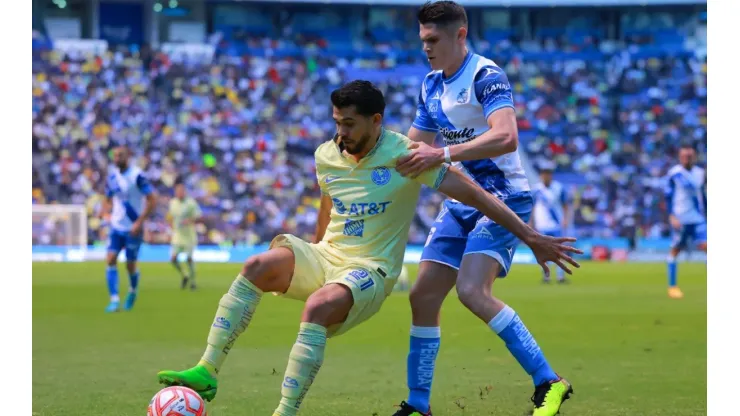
<point x="131" y="266"/>
<point x="256" y="271"/>
<point x="173" y="259"/>
<point x="469" y="292"/>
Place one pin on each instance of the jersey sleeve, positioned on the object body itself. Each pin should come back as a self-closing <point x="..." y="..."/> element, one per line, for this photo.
<point x="423" y="120"/>
<point x="319" y="170"/>
<point x="143" y="184"/>
<point x="492" y="89"/>
<point x="433" y="177"/>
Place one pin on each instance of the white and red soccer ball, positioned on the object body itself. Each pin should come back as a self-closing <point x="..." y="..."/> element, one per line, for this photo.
<point x="176" y="401"/>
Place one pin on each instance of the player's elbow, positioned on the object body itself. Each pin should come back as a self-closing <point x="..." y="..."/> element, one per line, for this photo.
<point x="510" y="141"/>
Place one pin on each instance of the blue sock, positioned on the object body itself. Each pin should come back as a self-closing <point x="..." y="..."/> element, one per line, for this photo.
<point x="134" y="280"/>
<point x="672" y="271"/>
<point x="111" y="275"/>
<point x="522" y="345"/>
<point x="420" y="365"/>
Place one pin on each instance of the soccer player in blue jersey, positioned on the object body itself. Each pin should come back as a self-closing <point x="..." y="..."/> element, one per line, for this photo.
<point x="686" y="201"/>
<point x="550" y="215"/>
<point x="467" y="98"/>
<point x="132" y="199"/>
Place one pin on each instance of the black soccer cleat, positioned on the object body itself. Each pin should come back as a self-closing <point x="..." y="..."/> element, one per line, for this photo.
<point x="408" y="410"/>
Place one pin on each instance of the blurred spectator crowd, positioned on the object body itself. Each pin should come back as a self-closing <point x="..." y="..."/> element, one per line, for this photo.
<point x="240" y="128"/>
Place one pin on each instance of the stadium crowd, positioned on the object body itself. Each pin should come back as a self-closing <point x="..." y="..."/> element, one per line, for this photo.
<point x="241" y="131"/>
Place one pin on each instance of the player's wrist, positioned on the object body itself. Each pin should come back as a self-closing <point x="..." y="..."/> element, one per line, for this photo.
<point x="446" y="155"/>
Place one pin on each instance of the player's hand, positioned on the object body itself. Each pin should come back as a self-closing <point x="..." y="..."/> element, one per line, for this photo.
<point x="136" y="228"/>
<point x="421" y="158"/>
<point x="675" y="223"/>
<point x="554" y="249"/>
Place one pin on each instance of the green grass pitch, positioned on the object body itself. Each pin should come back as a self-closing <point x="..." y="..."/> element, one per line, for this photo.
<point x="627" y="348"/>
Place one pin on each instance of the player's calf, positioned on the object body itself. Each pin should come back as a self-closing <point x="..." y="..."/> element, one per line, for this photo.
<point x="329" y="306"/>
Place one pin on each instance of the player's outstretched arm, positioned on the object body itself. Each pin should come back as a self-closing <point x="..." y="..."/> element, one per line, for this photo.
<point x="546" y="249"/>
<point x="323" y="218"/>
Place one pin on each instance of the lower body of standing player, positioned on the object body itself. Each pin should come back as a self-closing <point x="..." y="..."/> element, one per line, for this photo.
<point x="559" y="273"/>
<point x="686" y="237"/>
<point x="340" y="293"/>
<point x="188" y="248"/>
<point x="122" y="240"/>
<point x="466" y="249"/>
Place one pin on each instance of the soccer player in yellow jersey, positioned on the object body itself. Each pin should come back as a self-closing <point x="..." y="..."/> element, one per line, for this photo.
<point x="183" y="214"/>
<point x="362" y="230"/>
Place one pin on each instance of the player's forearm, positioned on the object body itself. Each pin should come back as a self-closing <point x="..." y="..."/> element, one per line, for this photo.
<point x="493" y="143"/>
<point x="497" y="211"/>
<point x="149" y="206"/>
<point x="463" y="189"/>
<point x="322" y="221"/>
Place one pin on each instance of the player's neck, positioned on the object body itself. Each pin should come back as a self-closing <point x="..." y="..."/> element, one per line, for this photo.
<point x="457" y="63"/>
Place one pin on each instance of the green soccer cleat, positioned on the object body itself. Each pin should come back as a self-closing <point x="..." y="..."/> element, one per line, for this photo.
<point x="548" y="397"/>
<point x="197" y="378"/>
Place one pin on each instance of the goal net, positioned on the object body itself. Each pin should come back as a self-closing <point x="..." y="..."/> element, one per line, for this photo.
<point x="60" y="225"/>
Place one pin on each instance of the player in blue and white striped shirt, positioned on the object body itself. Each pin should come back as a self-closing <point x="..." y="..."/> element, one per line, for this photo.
<point x="686" y="201"/>
<point x="550" y="214"/>
<point x="468" y="99"/>
<point x="132" y="199"/>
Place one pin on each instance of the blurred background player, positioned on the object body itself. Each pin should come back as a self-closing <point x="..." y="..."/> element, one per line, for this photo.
<point x="132" y="199"/>
<point x="467" y="98"/>
<point x="550" y="215"/>
<point x="686" y="203"/>
<point x="183" y="214"/>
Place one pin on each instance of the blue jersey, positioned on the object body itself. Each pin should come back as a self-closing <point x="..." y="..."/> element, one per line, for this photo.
<point x="128" y="190"/>
<point x="686" y="194"/>
<point x="458" y="107"/>
<point x="548" y="206"/>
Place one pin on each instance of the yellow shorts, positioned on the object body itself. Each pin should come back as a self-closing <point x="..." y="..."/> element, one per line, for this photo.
<point x="317" y="265"/>
<point x="176" y="249"/>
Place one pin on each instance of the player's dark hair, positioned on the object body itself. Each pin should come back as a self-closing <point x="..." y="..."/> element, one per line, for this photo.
<point x="687" y="145"/>
<point x="366" y="97"/>
<point x="442" y="13"/>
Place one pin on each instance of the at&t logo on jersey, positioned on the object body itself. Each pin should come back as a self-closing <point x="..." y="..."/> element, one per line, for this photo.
<point x="360" y="208"/>
<point x="381" y="175"/>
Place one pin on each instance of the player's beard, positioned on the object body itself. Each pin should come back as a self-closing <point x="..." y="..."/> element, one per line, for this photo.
<point x="359" y="146"/>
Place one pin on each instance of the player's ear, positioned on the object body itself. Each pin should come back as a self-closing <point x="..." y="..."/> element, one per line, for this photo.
<point x="462" y="33"/>
<point x="377" y="119"/>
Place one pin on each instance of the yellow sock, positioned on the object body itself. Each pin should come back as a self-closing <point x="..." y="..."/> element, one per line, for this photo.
<point x="235" y="311"/>
<point x="304" y="363"/>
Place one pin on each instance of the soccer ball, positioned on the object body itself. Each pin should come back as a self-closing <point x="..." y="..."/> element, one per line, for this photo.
<point x="176" y="401"/>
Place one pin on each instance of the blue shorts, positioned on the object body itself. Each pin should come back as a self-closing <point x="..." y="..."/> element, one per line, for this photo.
<point x="122" y="239"/>
<point x="460" y="230"/>
<point x="688" y="234"/>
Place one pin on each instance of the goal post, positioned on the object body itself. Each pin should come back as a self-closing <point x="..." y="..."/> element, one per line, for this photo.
<point x="60" y="226"/>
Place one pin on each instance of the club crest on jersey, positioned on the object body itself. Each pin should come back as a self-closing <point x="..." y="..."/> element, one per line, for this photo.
<point x="381" y="175"/>
<point x="462" y="96"/>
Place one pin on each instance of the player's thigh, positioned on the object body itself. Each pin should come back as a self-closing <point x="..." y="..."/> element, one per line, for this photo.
<point x="133" y="245"/>
<point x="175" y="250"/>
<point x="296" y="264"/>
<point x="116" y="243"/>
<point x="477" y="274"/>
<point x="680" y="238"/>
<point x="368" y="290"/>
